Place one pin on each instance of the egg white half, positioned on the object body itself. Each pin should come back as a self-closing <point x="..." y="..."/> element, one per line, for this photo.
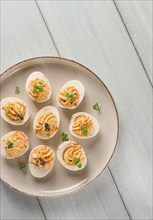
<point x="40" y="172"/>
<point x="96" y="126"/>
<point x="42" y="76"/>
<point x="43" y="110"/>
<point x="79" y="86"/>
<point x="3" y="151"/>
<point x="60" y="150"/>
<point x="4" y="116"/>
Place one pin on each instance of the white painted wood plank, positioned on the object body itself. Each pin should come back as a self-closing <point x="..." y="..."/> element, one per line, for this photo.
<point x="23" y="33"/>
<point x="93" y="34"/>
<point x="24" y="36"/>
<point x="100" y="200"/>
<point x="137" y="16"/>
<point x="17" y="206"/>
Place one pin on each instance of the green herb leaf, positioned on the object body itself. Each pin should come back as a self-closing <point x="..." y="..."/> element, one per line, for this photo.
<point x="22" y="167"/>
<point x="38" y="88"/>
<point x="76" y="160"/>
<point x="72" y="99"/>
<point x="79" y="165"/>
<point x="84" y="132"/>
<point x="17" y="90"/>
<point x="67" y="95"/>
<point x="40" y="83"/>
<point x="84" y="127"/>
<point x="9" y="144"/>
<point x="41" y="89"/>
<point x="71" y="96"/>
<point x="19" y="116"/>
<point x="97" y="106"/>
<point x="65" y="137"/>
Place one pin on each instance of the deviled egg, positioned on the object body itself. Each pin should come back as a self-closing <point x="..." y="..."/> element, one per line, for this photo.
<point x="14" y="144"/>
<point x="72" y="156"/>
<point x="14" y="111"/>
<point x="41" y="161"/>
<point x="46" y="122"/>
<point x="71" y="94"/>
<point x="83" y="125"/>
<point x="38" y="87"/>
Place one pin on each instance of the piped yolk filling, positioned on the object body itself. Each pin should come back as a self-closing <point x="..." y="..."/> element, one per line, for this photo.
<point x="15" y="111"/>
<point x="46" y="124"/>
<point x="15" y="144"/>
<point x="69" y="96"/>
<point x="72" y="151"/>
<point x="38" y="89"/>
<point x="42" y="157"/>
<point x="83" y="125"/>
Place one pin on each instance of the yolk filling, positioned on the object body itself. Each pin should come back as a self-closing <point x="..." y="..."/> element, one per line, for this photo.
<point x="82" y="126"/>
<point x="38" y="89"/>
<point x="72" y="151"/>
<point x="69" y="96"/>
<point x="15" y="144"/>
<point x="42" y="157"/>
<point x="15" y="111"/>
<point x="46" y="124"/>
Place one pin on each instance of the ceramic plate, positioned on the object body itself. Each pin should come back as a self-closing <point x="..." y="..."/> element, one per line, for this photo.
<point x="99" y="149"/>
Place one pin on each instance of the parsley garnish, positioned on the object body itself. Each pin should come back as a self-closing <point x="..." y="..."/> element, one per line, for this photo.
<point x="19" y="116"/>
<point x="70" y="96"/>
<point x="79" y="165"/>
<point x="84" y="129"/>
<point x="76" y="161"/>
<point x="17" y="90"/>
<point x="40" y="83"/>
<point x="67" y="95"/>
<point x="97" y="106"/>
<point x="38" y="88"/>
<point x="84" y="132"/>
<point x="65" y="137"/>
<point x="9" y="144"/>
<point x="72" y="99"/>
<point x="22" y="167"/>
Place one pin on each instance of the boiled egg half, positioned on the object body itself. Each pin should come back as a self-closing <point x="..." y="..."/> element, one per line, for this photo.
<point x="41" y="160"/>
<point x="14" y="111"/>
<point x="38" y="87"/>
<point x="71" y="94"/>
<point x="72" y="156"/>
<point x="84" y="125"/>
<point x="14" y="144"/>
<point x="46" y="122"/>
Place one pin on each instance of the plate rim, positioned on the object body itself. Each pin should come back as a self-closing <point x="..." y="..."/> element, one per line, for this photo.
<point x="117" y="117"/>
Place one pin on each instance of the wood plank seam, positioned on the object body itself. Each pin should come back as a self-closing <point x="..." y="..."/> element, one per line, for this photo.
<point x="107" y="166"/>
<point x="50" y="34"/>
<point x="133" y="43"/>
<point x="41" y="208"/>
<point x="119" y="193"/>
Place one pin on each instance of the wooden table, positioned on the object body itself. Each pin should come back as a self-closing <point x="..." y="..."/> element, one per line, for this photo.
<point x="112" y="38"/>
